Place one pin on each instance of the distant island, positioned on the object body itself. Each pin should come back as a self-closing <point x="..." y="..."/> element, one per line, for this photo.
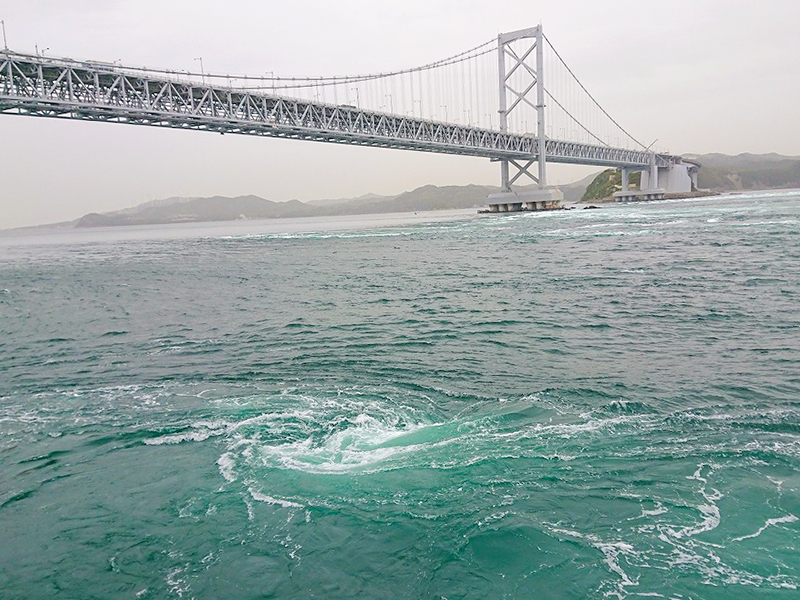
<point x="719" y="173"/>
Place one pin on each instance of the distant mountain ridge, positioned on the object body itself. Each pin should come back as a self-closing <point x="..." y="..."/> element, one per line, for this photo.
<point x="219" y="208"/>
<point x="718" y="173"/>
<point x="365" y="199"/>
<point x="196" y="210"/>
<point x="747" y="171"/>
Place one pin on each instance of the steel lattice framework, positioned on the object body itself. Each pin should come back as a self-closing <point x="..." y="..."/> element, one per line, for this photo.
<point x="44" y="86"/>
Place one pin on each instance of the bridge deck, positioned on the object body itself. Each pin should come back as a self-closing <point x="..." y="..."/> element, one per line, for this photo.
<point x="40" y="86"/>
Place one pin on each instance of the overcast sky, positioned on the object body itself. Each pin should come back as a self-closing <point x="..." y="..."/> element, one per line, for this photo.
<point x="701" y="76"/>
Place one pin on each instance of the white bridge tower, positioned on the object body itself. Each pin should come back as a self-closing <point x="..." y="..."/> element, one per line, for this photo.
<point x="520" y="56"/>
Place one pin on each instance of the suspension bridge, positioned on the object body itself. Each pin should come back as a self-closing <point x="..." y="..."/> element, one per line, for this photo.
<point x="512" y="99"/>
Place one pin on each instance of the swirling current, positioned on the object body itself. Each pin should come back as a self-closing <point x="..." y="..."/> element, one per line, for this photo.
<point x="575" y="404"/>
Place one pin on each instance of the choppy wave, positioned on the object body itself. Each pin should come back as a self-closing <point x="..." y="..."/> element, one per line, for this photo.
<point x="579" y="403"/>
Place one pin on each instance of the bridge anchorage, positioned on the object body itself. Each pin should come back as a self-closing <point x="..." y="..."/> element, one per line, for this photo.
<point x="450" y="106"/>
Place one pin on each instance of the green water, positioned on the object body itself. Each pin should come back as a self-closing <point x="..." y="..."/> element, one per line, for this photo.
<point x="598" y="403"/>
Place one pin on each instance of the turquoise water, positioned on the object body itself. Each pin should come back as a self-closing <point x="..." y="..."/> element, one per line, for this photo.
<point x="589" y="403"/>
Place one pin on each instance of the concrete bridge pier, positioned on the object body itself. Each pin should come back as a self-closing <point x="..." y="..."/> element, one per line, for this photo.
<point x="678" y="178"/>
<point x="674" y="179"/>
<point x="653" y="182"/>
<point x="525" y="200"/>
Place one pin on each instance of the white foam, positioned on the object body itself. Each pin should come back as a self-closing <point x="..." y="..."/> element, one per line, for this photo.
<point x="366" y="442"/>
<point x="226" y="463"/>
<point x="206" y="429"/>
<point x="710" y="511"/>
<point x="568" y="532"/>
<point x="659" y="509"/>
<point x="273" y="419"/>
<point x="192" y="436"/>
<point x="778" y="483"/>
<point x="754" y="223"/>
<point x="611" y="553"/>
<point x="715" y="571"/>
<point x="569" y="430"/>
<point x="770" y="522"/>
<point x="493" y="517"/>
<point x="258" y="496"/>
<point x="711" y="520"/>
<point x="336" y="455"/>
<point x="177" y="585"/>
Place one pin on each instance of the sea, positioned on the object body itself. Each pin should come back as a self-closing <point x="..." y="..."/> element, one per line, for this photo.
<point x="570" y="404"/>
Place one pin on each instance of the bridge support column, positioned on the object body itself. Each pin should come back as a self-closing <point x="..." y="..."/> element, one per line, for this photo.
<point x="625" y="179"/>
<point x="653" y="183"/>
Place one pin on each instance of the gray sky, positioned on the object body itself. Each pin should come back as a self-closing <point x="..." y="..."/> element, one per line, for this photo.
<point x="701" y="76"/>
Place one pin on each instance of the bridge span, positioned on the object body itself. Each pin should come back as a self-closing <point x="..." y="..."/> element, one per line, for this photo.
<point x="36" y="85"/>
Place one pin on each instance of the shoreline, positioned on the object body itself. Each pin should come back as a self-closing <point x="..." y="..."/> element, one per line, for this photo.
<point x="669" y="196"/>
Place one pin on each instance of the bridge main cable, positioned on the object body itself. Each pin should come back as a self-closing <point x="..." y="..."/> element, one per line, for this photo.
<point x="315" y="81"/>
<point x="591" y="97"/>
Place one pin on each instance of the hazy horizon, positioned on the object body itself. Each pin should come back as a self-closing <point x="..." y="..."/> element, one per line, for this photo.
<point x="674" y="75"/>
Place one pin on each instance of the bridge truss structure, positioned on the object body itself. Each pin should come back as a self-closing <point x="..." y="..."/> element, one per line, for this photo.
<point x="42" y="86"/>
